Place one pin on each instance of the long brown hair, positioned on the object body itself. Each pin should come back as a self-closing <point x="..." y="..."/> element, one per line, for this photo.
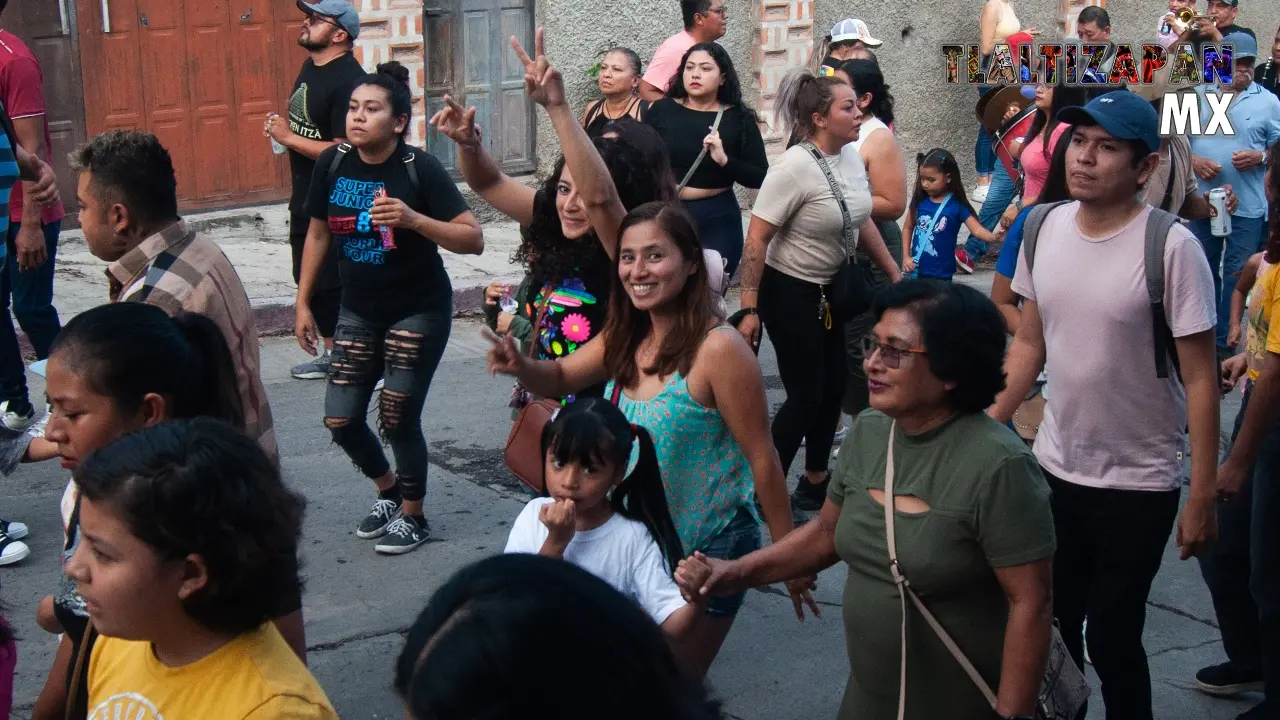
<point x="628" y="327"/>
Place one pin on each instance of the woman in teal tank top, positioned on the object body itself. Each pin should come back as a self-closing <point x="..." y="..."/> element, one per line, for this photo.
<point x="699" y="392"/>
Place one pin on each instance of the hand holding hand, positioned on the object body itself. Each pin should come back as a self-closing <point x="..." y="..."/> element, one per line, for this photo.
<point x="503" y="357"/>
<point x="909" y="265"/>
<point x="701" y="576"/>
<point x="542" y="82"/>
<point x="692" y="575"/>
<point x="559" y="517"/>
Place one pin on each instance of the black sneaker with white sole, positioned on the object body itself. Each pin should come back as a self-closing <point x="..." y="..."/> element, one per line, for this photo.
<point x="809" y="497"/>
<point x="379" y="519"/>
<point x="13" y="529"/>
<point x="404" y="535"/>
<point x="1228" y="679"/>
<point x="12" y="550"/>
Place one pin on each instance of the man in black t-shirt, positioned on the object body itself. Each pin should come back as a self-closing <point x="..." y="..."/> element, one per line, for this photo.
<point x="317" y="120"/>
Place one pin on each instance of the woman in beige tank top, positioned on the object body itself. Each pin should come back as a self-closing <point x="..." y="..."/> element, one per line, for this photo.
<point x="998" y="22"/>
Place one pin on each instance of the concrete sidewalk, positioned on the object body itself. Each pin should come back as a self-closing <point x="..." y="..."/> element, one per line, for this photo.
<point x="256" y="240"/>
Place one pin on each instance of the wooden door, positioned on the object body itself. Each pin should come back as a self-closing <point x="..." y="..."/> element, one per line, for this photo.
<point x="469" y="56"/>
<point x="48" y="28"/>
<point x="199" y="74"/>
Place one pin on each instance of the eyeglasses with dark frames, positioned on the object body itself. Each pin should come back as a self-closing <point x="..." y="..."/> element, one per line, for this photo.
<point x="889" y="355"/>
<point x="314" y="19"/>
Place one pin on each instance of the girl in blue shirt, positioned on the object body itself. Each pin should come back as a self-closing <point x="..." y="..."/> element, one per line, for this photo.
<point x="938" y="208"/>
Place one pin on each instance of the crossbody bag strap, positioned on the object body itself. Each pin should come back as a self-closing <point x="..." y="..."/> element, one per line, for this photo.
<point x="850" y="244"/>
<point x="715" y="127"/>
<point x="905" y="592"/>
<point x="542" y="313"/>
<point x="82" y="656"/>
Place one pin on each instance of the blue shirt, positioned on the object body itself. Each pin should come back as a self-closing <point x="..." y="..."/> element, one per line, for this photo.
<point x="1007" y="263"/>
<point x="1255" y="116"/>
<point x="933" y="245"/>
<point x="8" y="178"/>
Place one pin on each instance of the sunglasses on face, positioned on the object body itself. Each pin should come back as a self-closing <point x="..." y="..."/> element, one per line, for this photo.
<point x="889" y="355"/>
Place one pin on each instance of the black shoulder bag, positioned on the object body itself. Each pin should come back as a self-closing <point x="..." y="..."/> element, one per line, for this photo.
<point x="850" y="292"/>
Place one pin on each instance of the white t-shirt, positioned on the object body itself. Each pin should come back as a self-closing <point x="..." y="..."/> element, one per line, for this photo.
<point x="797" y="198"/>
<point x="1110" y="422"/>
<point x="621" y="552"/>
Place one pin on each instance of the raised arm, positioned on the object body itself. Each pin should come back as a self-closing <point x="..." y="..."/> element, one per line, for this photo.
<point x="479" y="170"/>
<point x="543" y="84"/>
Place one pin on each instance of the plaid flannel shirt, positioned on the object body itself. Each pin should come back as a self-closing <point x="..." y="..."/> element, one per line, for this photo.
<point x="178" y="269"/>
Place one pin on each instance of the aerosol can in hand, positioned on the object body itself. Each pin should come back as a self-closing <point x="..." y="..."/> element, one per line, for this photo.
<point x="388" y="234"/>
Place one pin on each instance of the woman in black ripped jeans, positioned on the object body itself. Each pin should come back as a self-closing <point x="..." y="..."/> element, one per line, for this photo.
<point x="795" y="246"/>
<point x="390" y="208"/>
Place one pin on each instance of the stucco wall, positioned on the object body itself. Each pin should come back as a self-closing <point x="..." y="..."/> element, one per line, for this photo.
<point x="578" y="31"/>
<point x="931" y="113"/>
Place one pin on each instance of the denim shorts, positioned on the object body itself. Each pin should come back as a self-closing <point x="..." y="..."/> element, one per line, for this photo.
<point x="740" y="537"/>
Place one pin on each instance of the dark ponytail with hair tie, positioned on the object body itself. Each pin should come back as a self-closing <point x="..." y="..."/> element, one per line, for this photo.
<point x="394" y="78"/>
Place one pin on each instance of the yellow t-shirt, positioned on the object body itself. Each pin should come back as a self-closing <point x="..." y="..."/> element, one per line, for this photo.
<point x="1263" y="335"/>
<point x="256" y="676"/>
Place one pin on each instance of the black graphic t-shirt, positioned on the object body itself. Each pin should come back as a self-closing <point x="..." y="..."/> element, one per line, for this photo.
<point x="576" y="306"/>
<point x="379" y="284"/>
<point x="318" y="111"/>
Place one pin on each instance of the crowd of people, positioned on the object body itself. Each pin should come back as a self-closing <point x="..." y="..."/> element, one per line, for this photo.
<point x="181" y="592"/>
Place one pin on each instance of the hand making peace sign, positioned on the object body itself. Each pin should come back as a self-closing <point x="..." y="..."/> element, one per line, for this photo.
<point x="542" y="82"/>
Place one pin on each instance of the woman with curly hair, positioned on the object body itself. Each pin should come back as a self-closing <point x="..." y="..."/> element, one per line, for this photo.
<point x="714" y="141"/>
<point x="569" y="225"/>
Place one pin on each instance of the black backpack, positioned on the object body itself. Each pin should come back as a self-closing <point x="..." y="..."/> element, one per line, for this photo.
<point x="408" y="159"/>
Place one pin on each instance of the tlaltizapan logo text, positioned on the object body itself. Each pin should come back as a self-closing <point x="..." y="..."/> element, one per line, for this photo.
<point x="1114" y="67"/>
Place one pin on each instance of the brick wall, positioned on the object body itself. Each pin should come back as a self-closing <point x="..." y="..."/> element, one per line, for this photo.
<point x="392" y="30"/>
<point x="786" y="42"/>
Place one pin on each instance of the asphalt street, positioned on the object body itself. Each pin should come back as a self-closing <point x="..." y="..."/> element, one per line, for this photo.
<point x="357" y="603"/>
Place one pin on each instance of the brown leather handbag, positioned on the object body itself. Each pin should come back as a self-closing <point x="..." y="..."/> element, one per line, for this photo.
<point x="523" y="455"/>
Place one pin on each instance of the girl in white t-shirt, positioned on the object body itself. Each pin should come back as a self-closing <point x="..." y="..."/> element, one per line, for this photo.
<point x="617" y="528"/>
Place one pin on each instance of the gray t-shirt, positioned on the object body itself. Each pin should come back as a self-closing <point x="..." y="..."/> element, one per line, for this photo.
<point x="797" y="198"/>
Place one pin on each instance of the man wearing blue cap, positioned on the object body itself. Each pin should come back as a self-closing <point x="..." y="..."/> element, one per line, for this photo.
<point x="1113" y="437"/>
<point x="317" y="119"/>
<point x="1236" y="160"/>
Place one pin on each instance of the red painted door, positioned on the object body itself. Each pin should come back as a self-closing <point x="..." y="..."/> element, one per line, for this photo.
<point x="199" y="74"/>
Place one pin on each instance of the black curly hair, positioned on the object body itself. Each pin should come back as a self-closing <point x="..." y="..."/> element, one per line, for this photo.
<point x="963" y="334"/>
<point x="544" y="249"/>
<point x="729" y="94"/>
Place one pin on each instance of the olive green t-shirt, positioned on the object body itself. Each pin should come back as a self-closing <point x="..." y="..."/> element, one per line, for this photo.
<point x="988" y="508"/>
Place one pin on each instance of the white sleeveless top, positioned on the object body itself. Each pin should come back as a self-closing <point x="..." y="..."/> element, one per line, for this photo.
<point x="869" y="126"/>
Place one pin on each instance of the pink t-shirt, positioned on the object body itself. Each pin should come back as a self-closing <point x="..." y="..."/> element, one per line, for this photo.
<point x="666" y="59"/>
<point x="1109" y="421"/>
<point x="1035" y="166"/>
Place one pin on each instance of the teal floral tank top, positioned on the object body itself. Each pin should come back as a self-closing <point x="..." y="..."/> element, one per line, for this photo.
<point x="706" y="475"/>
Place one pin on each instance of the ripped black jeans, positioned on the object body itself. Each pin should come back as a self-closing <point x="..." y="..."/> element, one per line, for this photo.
<point x="406" y="354"/>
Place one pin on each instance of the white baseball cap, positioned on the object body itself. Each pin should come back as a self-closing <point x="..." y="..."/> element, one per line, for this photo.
<point x="851" y="29"/>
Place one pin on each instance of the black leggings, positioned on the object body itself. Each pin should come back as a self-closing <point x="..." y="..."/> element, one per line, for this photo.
<point x="811" y="361"/>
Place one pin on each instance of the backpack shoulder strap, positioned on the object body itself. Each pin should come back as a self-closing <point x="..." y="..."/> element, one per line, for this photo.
<point x="1159" y="223"/>
<point x="1031" y="229"/>
<point x="411" y="167"/>
<point x="338" y="157"/>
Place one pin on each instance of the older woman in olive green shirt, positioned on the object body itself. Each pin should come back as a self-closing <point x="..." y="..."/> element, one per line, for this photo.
<point x="973" y="527"/>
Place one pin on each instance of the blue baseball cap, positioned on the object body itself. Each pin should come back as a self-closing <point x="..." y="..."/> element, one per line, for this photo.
<point x="1121" y="113"/>
<point x="340" y="11"/>
<point x="1242" y="45"/>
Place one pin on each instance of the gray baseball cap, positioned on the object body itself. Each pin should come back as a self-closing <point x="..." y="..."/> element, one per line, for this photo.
<point x="1243" y="45"/>
<point x="340" y="11"/>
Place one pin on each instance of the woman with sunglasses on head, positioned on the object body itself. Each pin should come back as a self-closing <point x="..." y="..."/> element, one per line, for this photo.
<point x="974" y="535"/>
<point x="714" y="142"/>
<point x="802" y="234"/>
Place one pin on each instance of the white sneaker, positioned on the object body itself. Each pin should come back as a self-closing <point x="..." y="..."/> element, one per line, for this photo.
<point x="979" y="194"/>
<point x="13" y="529"/>
<point x="12" y="551"/>
<point x="38" y="428"/>
<point x="16" y="422"/>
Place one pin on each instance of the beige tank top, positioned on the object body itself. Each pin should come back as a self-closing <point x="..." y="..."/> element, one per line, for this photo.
<point x="1008" y="23"/>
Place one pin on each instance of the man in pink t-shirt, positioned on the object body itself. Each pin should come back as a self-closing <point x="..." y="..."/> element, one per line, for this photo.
<point x="32" y="241"/>
<point x="704" y="22"/>
<point x="1114" y="435"/>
